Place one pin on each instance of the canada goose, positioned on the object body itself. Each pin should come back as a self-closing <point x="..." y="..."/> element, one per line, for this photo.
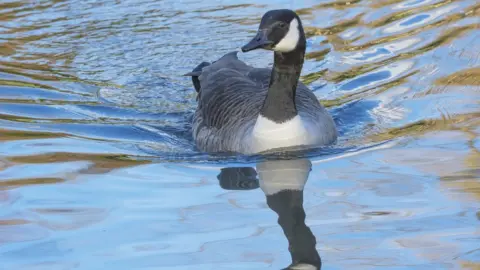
<point x="250" y="110"/>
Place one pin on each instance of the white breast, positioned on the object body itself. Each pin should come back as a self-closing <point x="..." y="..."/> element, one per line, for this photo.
<point x="267" y="134"/>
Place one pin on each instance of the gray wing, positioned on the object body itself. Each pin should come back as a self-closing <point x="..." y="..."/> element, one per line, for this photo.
<point x="228" y="104"/>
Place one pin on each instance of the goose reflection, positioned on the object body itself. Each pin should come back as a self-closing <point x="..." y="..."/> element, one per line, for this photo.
<point x="282" y="181"/>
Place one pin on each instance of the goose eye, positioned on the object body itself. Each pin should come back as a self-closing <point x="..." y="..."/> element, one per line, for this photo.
<point x="282" y="24"/>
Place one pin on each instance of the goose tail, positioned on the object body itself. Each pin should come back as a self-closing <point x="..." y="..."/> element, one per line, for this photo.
<point x="197" y="71"/>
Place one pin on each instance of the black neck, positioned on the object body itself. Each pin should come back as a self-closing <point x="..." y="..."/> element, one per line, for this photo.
<point x="279" y="105"/>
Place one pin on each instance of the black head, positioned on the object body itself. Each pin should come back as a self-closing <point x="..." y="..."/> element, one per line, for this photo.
<point x="280" y="30"/>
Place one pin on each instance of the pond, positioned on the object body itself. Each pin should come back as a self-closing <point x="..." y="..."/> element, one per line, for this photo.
<point x="98" y="169"/>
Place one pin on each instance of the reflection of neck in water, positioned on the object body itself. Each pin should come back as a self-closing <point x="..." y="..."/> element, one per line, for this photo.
<point x="282" y="181"/>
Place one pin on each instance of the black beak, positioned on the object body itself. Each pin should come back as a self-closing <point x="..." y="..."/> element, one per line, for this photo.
<point x="259" y="41"/>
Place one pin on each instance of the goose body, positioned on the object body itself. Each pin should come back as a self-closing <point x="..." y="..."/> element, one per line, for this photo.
<point x="250" y="110"/>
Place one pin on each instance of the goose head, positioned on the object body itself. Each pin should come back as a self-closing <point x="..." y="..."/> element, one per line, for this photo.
<point x="280" y="31"/>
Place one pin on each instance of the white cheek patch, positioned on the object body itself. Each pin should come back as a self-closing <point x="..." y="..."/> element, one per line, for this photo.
<point x="290" y="40"/>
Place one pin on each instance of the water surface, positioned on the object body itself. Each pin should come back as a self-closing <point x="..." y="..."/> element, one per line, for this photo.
<point x="98" y="169"/>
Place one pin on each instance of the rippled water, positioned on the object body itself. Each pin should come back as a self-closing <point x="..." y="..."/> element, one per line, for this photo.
<point x="98" y="169"/>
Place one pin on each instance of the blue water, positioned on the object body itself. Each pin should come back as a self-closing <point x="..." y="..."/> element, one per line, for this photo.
<point x="98" y="169"/>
